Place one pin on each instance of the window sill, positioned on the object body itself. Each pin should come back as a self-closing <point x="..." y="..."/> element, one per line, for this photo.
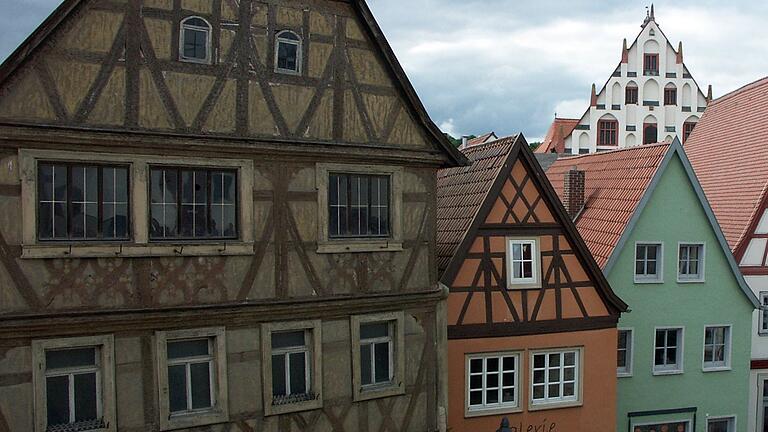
<point x="379" y="392"/>
<point x="716" y="369"/>
<point x="623" y="374"/>
<point x="270" y="410"/>
<point x="667" y="372"/>
<point x="357" y="246"/>
<point x="481" y="412"/>
<point x="135" y="250"/>
<point x="553" y="405"/>
<point x="648" y="281"/>
<point x="690" y="281"/>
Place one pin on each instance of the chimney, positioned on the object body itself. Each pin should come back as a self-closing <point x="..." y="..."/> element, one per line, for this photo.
<point x="573" y="191"/>
<point x="680" y="52"/>
<point x="464" y="140"/>
<point x="593" y="98"/>
<point x="624" y="52"/>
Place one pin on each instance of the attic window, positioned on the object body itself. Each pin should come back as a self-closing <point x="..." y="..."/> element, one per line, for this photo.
<point x="195" y="40"/>
<point x="288" y="52"/>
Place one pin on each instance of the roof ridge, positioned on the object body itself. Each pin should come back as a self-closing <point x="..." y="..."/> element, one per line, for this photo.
<point x="614" y="151"/>
<point x="740" y="90"/>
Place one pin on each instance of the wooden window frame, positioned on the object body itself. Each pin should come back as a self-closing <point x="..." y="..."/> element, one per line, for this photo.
<point x="644" y="278"/>
<point x="397" y="385"/>
<point x="688" y="130"/>
<point x="106" y="352"/>
<point x="645" y="131"/>
<point x="348" y="206"/>
<point x="727" y="348"/>
<point x="393" y="243"/>
<point x="219" y="412"/>
<point x="631" y="95"/>
<point x="299" y="52"/>
<point x="670" y="96"/>
<point x="731" y="419"/>
<point x="315" y="364"/>
<point x="559" y="402"/>
<point x="208" y="40"/>
<point x="524" y="283"/>
<point x="605" y="134"/>
<point x="649" y="71"/>
<point x="701" y="276"/>
<point x="679" y="366"/>
<point x="501" y="407"/>
<point x="627" y="371"/>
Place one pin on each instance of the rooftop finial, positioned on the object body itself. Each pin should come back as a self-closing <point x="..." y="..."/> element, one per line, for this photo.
<point x="593" y="98"/>
<point x="653" y="17"/>
<point x="649" y="15"/>
<point x="624" y="52"/>
<point x="709" y="94"/>
<point x="680" y="52"/>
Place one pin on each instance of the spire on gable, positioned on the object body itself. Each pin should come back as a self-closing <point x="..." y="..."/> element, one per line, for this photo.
<point x="593" y="98"/>
<point x="624" y="52"/>
<point x="649" y="16"/>
<point x="680" y="52"/>
<point x="709" y="94"/>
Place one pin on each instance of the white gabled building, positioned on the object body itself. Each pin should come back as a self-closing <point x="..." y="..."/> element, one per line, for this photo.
<point x="650" y="97"/>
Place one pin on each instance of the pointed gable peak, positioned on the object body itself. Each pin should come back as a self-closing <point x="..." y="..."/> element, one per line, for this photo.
<point x="649" y="16"/>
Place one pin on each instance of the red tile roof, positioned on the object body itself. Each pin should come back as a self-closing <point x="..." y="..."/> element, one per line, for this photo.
<point x="555" y="138"/>
<point x="728" y="151"/>
<point x="461" y="191"/>
<point x="615" y="183"/>
<point x="481" y="139"/>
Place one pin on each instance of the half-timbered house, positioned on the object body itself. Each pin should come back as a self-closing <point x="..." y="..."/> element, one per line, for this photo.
<point x="217" y="215"/>
<point x="531" y="320"/>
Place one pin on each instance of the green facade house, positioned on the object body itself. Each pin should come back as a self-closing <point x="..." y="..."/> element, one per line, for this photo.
<point x="684" y="348"/>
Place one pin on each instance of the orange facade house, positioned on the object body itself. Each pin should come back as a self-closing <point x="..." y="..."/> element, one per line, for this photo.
<point x="531" y="319"/>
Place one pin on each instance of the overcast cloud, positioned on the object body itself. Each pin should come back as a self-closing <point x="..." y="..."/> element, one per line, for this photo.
<point x="510" y="65"/>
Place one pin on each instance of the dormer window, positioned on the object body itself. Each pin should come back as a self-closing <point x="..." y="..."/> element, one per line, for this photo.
<point x="288" y="53"/>
<point x="195" y="40"/>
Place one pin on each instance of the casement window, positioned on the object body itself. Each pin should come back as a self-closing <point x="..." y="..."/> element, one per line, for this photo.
<point x="668" y="350"/>
<point x="193" y="203"/>
<point x="292" y="371"/>
<point x="650" y="133"/>
<point x="195" y="40"/>
<point x="717" y="348"/>
<point x="607" y="133"/>
<point x="721" y="424"/>
<point x="648" y="262"/>
<point x="763" y="330"/>
<point x="192" y="377"/>
<point x="670" y="96"/>
<point x="624" y="352"/>
<point x="492" y="382"/>
<point x="523" y="263"/>
<point x="378" y="352"/>
<point x="687" y="130"/>
<point x="651" y="64"/>
<point x="82" y="202"/>
<point x="690" y="262"/>
<point x="288" y="52"/>
<point x="74" y="384"/>
<point x="358" y="205"/>
<point x="630" y="95"/>
<point x="671" y="426"/>
<point x="555" y="377"/>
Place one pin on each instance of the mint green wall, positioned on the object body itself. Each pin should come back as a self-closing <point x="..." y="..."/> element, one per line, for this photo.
<point x="675" y="214"/>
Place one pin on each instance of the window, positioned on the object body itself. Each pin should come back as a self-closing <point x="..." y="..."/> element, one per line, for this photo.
<point x="630" y="96"/>
<point x="687" y="130"/>
<point x="192" y="377"/>
<point x="82" y="202"/>
<point x="74" y="384"/>
<point x="555" y="377"/>
<point x="195" y="45"/>
<point x="193" y="203"/>
<point x="288" y="52"/>
<point x="651" y="64"/>
<point x="690" y="263"/>
<point x="650" y="133"/>
<point x="670" y="96"/>
<point x="722" y="424"/>
<point x="672" y="426"/>
<point x="291" y="366"/>
<point x="624" y="354"/>
<point x="648" y="262"/>
<point x="763" y="313"/>
<point x="358" y="205"/>
<point x="492" y="381"/>
<point x="607" y="132"/>
<point x="523" y="262"/>
<point x="378" y="355"/>
<point x="717" y="347"/>
<point x="668" y="350"/>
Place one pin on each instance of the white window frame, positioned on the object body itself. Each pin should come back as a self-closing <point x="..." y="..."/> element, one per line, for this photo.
<point x="659" y="277"/>
<point x="208" y="40"/>
<point x="314" y="365"/>
<point x="630" y="349"/>
<point x="731" y="419"/>
<point x="396" y="385"/>
<point x="105" y="388"/>
<point x="680" y="363"/>
<point x="500" y="407"/>
<point x="187" y="363"/>
<point x="688" y="423"/>
<point x="219" y="412"/>
<point x="709" y="367"/>
<point x="559" y="402"/>
<point x="535" y="280"/>
<point x="299" y="51"/>
<point x="702" y="260"/>
<point x="762" y="330"/>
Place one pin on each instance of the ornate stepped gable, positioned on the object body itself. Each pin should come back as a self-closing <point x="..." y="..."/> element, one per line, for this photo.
<point x="519" y="202"/>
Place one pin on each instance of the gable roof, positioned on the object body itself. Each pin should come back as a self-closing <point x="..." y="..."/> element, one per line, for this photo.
<point x="482" y="139"/>
<point x="368" y="23"/>
<point x="554" y="140"/>
<point x="728" y="151"/>
<point x="465" y="194"/>
<point x="625" y="186"/>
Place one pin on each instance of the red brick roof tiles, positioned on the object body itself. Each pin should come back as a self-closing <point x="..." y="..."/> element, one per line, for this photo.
<point x="555" y="138"/>
<point x="481" y="139"/>
<point x="615" y="183"/>
<point x="728" y="152"/>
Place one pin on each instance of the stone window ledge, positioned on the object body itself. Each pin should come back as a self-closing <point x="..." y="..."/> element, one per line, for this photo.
<point x="135" y="250"/>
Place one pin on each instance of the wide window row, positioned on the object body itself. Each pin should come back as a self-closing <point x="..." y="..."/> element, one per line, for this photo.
<point x="649" y="262"/>
<point x="668" y="350"/>
<point x="75" y="382"/>
<point x="494" y="380"/>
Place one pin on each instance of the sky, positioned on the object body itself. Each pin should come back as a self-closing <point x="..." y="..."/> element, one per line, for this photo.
<point x="510" y="65"/>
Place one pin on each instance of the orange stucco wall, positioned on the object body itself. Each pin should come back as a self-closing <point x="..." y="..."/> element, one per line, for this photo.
<point x="597" y="412"/>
